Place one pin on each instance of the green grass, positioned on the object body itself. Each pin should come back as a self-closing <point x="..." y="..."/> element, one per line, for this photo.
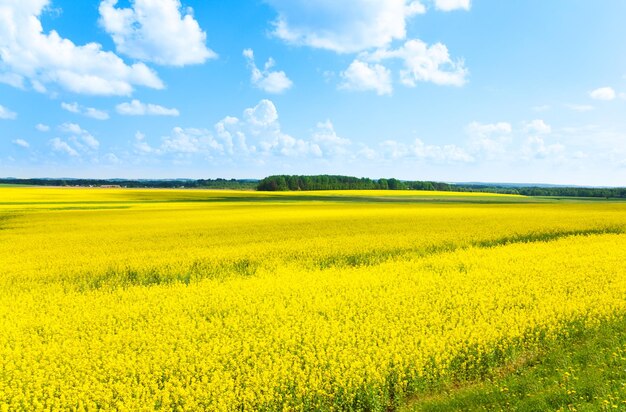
<point x="585" y="372"/>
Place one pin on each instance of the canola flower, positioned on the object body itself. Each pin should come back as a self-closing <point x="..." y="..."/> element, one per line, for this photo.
<point x="172" y="301"/>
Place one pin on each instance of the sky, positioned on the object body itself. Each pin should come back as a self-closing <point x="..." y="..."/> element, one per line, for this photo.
<point x="529" y="91"/>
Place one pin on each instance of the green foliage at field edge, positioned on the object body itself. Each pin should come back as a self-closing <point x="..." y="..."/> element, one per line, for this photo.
<point x="584" y="372"/>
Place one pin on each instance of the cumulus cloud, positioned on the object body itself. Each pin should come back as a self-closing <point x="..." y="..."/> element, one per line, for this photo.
<point x="267" y="80"/>
<point x="346" y="26"/>
<point x="261" y="132"/>
<point x="536" y="147"/>
<point x="370" y="28"/>
<point x="362" y="76"/>
<point x="489" y="140"/>
<point x="82" y="139"/>
<point x="537" y="126"/>
<point x="42" y="127"/>
<point x="22" y="143"/>
<point x="62" y="146"/>
<point x="326" y="138"/>
<point x="189" y="141"/>
<point x="256" y="136"/>
<point x="137" y="108"/>
<point x="424" y="63"/>
<point x="603" y="93"/>
<point x="501" y="142"/>
<point x="450" y="5"/>
<point x="85" y="111"/>
<point x="6" y="114"/>
<point x="28" y="55"/>
<point x="157" y="31"/>
<point x="394" y="150"/>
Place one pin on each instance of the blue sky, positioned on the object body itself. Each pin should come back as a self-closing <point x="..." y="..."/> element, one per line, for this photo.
<point x="448" y="90"/>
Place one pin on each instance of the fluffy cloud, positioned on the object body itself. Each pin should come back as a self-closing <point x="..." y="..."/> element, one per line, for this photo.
<point x="42" y="127"/>
<point x="22" y="143"/>
<point x="81" y="138"/>
<point x="137" y="108"/>
<point x="361" y="76"/>
<point x="450" y="5"/>
<point x="537" y="126"/>
<point x="393" y="150"/>
<point x="61" y="146"/>
<point x="536" y="147"/>
<point x="343" y="26"/>
<point x="29" y="54"/>
<point x="423" y="63"/>
<point x="156" y="31"/>
<point x="6" y="114"/>
<point x="260" y="132"/>
<point x="326" y="138"/>
<point x="603" y="93"/>
<point x="187" y="141"/>
<point x="370" y="28"/>
<point x="85" y="111"/>
<point x="501" y="142"/>
<point x="489" y="140"/>
<point x="267" y="80"/>
<point x="256" y="136"/>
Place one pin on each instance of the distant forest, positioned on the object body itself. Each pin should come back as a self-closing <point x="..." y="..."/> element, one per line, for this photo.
<point x="327" y="182"/>
<point x="330" y="182"/>
<point x="244" y="184"/>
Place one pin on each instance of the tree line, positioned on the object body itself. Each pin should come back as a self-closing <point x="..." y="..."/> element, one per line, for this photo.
<point x="241" y="184"/>
<point x="336" y="182"/>
<point x="327" y="182"/>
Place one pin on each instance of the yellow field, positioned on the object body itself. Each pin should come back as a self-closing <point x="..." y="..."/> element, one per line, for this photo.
<point x="218" y="300"/>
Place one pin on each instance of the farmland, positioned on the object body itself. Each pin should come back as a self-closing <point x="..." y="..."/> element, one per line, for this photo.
<point x="128" y="299"/>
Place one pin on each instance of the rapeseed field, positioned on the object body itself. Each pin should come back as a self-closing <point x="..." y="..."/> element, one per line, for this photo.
<point x="120" y="299"/>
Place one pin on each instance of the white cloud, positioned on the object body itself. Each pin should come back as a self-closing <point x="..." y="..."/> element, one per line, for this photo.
<point x="536" y="147"/>
<point x="326" y="138"/>
<point x="450" y="5"/>
<point x="345" y="26"/>
<point x="361" y="76"/>
<point x="22" y="143"/>
<point x="137" y="108"/>
<point x="603" y="93"/>
<point x="267" y="80"/>
<point x="262" y="132"/>
<point x="141" y="145"/>
<point x="537" y="126"/>
<point x="12" y="79"/>
<point x="6" y="114"/>
<point x="27" y="53"/>
<point x="81" y="138"/>
<point x="189" y="141"/>
<point x="42" y="127"/>
<point x="580" y="107"/>
<point x="61" y="146"/>
<point x="482" y="129"/>
<point x="71" y="107"/>
<point x="490" y="140"/>
<point x="423" y="63"/>
<point x="157" y="31"/>
<point x="96" y="114"/>
<point x="394" y="150"/>
<point x="85" y="111"/>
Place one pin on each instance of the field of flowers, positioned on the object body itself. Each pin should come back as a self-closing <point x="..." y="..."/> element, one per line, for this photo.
<point x="122" y="299"/>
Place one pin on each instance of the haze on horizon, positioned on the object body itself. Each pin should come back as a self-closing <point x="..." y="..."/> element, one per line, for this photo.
<point x="445" y="90"/>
